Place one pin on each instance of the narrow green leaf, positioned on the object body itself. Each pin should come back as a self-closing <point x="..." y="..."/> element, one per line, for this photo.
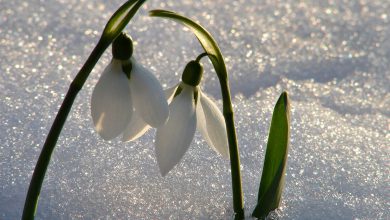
<point x="272" y="178"/>
<point x="206" y="40"/>
<point x="120" y="18"/>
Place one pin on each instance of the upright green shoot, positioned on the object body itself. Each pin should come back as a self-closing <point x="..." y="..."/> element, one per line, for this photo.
<point x="272" y="178"/>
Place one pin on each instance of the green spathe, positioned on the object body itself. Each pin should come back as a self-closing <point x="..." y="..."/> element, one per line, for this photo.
<point x="208" y="43"/>
<point x="272" y="178"/>
<point x="120" y="19"/>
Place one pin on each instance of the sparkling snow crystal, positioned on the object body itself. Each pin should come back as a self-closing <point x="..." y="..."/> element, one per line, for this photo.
<point x="333" y="58"/>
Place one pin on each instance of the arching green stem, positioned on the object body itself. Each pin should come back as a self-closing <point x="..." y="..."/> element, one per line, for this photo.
<point x="211" y="48"/>
<point x="201" y="56"/>
<point x="113" y="28"/>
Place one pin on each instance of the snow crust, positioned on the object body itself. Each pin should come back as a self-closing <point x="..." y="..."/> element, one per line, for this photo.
<point x="331" y="56"/>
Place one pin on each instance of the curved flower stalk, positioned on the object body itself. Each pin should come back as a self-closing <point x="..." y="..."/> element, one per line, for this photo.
<point x="190" y="109"/>
<point x="211" y="48"/>
<point x="113" y="28"/>
<point x="127" y="98"/>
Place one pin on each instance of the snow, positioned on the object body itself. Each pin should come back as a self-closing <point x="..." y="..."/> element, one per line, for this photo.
<point x="331" y="56"/>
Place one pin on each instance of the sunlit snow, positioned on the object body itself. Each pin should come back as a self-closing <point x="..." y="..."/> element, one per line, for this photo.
<point x="333" y="58"/>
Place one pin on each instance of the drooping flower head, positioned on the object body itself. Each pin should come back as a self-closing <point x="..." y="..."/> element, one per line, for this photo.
<point x="128" y="98"/>
<point x="189" y="109"/>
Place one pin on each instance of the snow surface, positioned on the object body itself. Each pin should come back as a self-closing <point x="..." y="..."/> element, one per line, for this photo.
<point x="331" y="56"/>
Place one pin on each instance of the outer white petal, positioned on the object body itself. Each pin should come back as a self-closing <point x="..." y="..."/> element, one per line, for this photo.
<point x="174" y="138"/>
<point x="135" y="129"/>
<point x="169" y="93"/>
<point x="148" y="96"/>
<point x="111" y="102"/>
<point x="137" y="126"/>
<point x="211" y="124"/>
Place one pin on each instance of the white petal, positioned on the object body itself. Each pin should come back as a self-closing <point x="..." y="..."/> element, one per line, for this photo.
<point x="148" y="96"/>
<point x="211" y="124"/>
<point x="111" y="102"/>
<point x="135" y="129"/>
<point x="174" y="138"/>
<point x="169" y="93"/>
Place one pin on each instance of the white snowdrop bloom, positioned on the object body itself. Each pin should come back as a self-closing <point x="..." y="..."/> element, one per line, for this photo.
<point x="190" y="109"/>
<point x="127" y="99"/>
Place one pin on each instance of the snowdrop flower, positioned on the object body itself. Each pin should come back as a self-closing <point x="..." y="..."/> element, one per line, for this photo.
<point x="127" y="98"/>
<point x="190" y="109"/>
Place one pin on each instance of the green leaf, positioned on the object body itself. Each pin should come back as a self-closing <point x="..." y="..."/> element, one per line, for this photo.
<point x="272" y="178"/>
<point x="120" y="18"/>
<point x="206" y="40"/>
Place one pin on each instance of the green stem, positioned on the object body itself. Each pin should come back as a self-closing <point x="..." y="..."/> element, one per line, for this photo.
<point x="214" y="53"/>
<point x="238" y="202"/>
<point x="51" y="140"/>
<point x="201" y="56"/>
